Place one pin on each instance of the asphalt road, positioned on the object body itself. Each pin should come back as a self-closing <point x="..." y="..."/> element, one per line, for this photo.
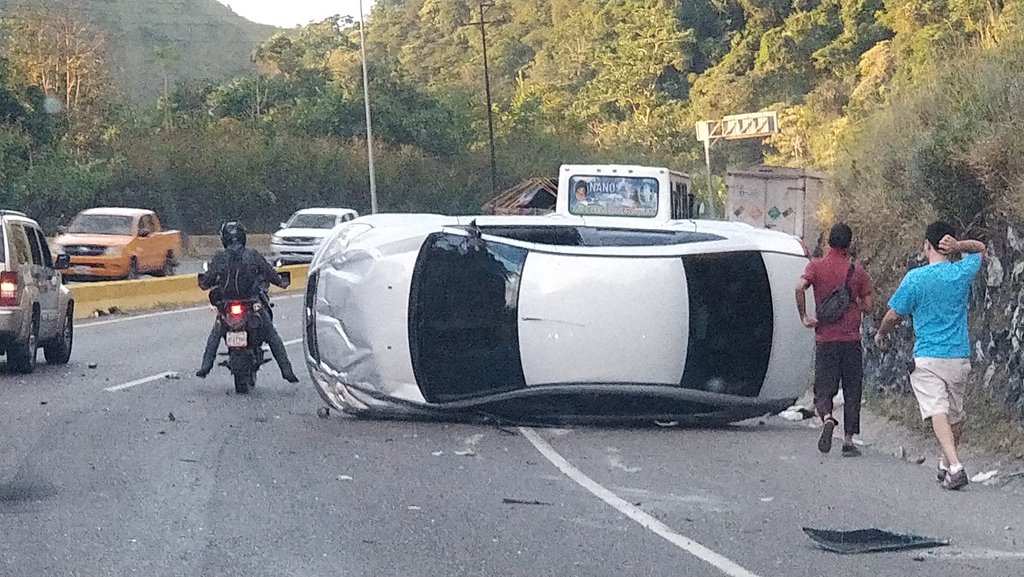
<point x="97" y="479"/>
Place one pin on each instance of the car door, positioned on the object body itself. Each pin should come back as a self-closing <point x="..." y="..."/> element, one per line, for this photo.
<point x="149" y="259"/>
<point x="21" y="261"/>
<point x="47" y="282"/>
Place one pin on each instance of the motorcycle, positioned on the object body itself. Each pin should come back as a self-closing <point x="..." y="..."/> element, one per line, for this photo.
<point x="244" y="335"/>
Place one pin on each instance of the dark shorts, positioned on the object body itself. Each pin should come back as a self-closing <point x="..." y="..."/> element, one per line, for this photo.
<point x="839" y="365"/>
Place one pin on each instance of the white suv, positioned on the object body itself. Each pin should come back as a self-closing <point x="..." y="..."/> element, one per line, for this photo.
<point x="36" y="309"/>
<point x="298" y="239"/>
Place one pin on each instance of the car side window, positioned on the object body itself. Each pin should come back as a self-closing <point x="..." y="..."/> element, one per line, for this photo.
<point x="19" y="244"/>
<point x="44" y="247"/>
<point x="33" y="246"/>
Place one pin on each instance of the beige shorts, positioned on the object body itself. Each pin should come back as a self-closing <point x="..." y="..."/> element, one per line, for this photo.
<point x="940" y="386"/>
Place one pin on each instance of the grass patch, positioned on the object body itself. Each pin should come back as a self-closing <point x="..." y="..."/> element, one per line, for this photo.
<point x="991" y="427"/>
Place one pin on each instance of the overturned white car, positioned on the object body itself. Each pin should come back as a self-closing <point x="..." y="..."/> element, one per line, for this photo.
<point x="609" y="311"/>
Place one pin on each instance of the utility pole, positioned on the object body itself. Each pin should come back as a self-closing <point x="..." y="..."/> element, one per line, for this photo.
<point x="487" y="87"/>
<point x="369" y="125"/>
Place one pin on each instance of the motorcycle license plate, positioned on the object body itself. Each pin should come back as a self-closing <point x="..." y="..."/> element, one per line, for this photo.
<point x="239" y="339"/>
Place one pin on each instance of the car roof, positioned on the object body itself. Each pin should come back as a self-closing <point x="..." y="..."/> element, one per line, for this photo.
<point x="7" y="212"/>
<point x="334" y="211"/>
<point x="18" y="216"/>
<point x="114" y="211"/>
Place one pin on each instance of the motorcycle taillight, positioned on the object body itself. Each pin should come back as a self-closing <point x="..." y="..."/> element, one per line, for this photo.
<point x="235" y="317"/>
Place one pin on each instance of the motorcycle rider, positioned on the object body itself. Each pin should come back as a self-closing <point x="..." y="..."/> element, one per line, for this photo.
<point x="241" y="273"/>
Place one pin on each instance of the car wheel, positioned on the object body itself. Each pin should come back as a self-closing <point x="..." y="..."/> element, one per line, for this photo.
<point x="58" y="351"/>
<point x="21" y="356"/>
<point x="133" y="268"/>
<point x="169" y="266"/>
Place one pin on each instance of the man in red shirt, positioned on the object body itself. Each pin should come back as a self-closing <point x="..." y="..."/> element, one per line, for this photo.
<point x="838" y="356"/>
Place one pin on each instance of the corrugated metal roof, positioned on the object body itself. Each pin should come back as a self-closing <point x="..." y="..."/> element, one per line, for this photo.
<point x="533" y="196"/>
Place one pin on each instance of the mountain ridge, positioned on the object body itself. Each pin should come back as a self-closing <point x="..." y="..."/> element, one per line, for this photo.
<point x="197" y="39"/>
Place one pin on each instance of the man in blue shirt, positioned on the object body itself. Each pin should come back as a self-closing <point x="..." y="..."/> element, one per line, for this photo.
<point x="936" y="297"/>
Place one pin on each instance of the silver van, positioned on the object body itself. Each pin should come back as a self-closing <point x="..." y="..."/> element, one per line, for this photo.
<point x="36" y="309"/>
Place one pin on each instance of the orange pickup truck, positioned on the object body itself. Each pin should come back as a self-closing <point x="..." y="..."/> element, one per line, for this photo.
<point x="119" y="243"/>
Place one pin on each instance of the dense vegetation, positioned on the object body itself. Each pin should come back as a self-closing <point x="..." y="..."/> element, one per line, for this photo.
<point x="864" y="88"/>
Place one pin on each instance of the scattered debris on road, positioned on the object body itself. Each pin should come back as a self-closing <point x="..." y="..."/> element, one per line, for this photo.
<point x="171" y="417"/>
<point x="413" y="508"/>
<point x="466" y="453"/>
<point x="173" y="376"/>
<point x="106" y="312"/>
<point x="767" y="499"/>
<point x="985" y="478"/>
<point x="437" y="453"/>
<point x="93" y="365"/>
<point x="508" y="501"/>
<point x="870" y="540"/>
<point x="797" y="413"/>
<point x="344" y="478"/>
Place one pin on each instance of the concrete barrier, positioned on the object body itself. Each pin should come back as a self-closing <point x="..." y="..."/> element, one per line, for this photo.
<point x="156" y="293"/>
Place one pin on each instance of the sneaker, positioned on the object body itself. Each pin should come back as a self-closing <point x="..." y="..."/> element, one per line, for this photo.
<point x="851" y="450"/>
<point x="825" y="441"/>
<point x="201" y="373"/>
<point x="289" y="376"/>
<point x="940" y="473"/>
<point x="955" y="481"/>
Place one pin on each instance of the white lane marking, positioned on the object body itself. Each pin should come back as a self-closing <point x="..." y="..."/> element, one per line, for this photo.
<point x="692" y="547"/>
<point x="152" y="378"/>
<point x="138" y="382"/>
<point x="161" y="314"/>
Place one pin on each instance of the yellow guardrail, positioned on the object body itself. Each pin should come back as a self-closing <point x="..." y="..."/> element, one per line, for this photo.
<point x="155" y="293"/>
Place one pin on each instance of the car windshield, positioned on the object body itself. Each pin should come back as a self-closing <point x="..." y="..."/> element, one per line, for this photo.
<point x="312" y="220"/>
<point x="101" y="224"/>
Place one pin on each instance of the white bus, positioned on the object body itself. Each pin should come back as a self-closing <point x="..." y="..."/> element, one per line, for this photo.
<point x="599" y="191"/>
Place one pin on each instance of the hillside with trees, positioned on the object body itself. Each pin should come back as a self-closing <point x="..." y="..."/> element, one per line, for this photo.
<point x="573" y="80"/>
<point x="150" y="42"/>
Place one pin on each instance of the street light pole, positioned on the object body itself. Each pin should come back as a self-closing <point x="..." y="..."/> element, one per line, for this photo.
<point x="487" y="87"/>
<point x="369" y="125"/>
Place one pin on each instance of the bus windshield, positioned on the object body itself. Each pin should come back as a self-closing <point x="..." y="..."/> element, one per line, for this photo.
<point x="632" y="196"/>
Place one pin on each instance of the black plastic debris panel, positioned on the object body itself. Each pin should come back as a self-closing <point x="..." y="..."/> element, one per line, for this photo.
<point x="870" y="540"/>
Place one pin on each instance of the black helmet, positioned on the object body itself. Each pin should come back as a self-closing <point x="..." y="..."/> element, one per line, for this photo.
<point x="232" y="233"/>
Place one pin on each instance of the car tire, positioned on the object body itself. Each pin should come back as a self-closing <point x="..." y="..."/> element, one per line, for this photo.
<point x="58" y="351"/>
<point x="133" y="269"/>
<point x="21" y="356"/>
<point x="170" y="265"/>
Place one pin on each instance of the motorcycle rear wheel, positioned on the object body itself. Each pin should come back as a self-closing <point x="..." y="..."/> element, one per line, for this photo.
<point x="242" y="370"/>
<point x="242" y="384"/>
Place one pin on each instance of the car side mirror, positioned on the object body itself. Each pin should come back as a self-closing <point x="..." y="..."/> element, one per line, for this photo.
<point x="144" y="233"/>
<point x="62" y="230"/>
<point x="283" y="225"/>
<point x="62" y="262"/>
